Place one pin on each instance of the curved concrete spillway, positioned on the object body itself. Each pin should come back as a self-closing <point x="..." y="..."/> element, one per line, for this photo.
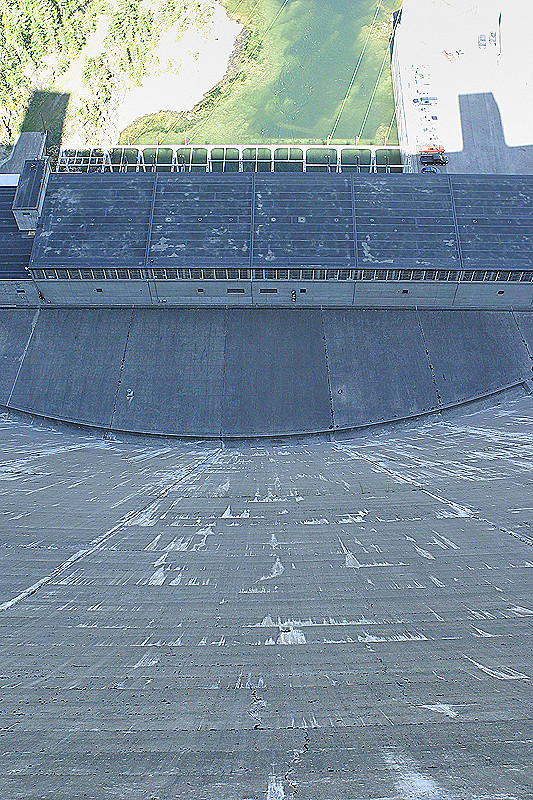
<point x="236" y="373"/>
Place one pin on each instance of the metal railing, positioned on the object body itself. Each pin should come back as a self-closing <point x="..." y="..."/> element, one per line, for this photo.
<point x="234" y="158"/>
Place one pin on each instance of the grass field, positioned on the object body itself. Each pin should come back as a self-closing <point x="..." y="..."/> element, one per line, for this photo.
<point x="292" y="79"/>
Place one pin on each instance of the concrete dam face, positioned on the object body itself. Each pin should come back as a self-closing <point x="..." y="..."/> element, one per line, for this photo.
<point x="239" y="372"/>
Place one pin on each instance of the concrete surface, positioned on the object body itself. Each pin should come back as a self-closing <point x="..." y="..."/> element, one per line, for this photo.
<point x="256" y="372"/>
<point x="72" y="364"/>
<point x="311" y="621"/>
<point x="30" y="144"/>
<point x="378" y="366"/>
<point x="464" y="83"/>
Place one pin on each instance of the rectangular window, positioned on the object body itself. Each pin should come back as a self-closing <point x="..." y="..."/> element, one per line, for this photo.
<point x="172" y="273"/>
<point x="294" y="274"/>
<point x="208" y="274"/>
<point x="123" y="274"/>
<point x="196" y="274"/>
<point x="307" y="274"/>
<point x="220" y="274"/>
<point x="135" y="274"/>
<point x="87" y="274"/>
<point x="111" y="274"/>
<point x="62" y="274"/>
<point x="99" y="274"/>
<point x="268" y="291"/>
<point x="235" y="291"/>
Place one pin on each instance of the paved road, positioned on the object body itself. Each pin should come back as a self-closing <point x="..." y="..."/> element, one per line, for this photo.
<point x="312" y="621"/>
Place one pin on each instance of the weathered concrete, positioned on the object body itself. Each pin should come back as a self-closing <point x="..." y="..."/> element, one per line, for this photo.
<point x="72" y="365"/>
<point x="173" y="373"/>
<point x="343" y="621"/>
<point x="15" y="332"/>
<point x="474" y="352"/>
<point x="275" y="373"/>
<point x="378" y="366"/>
<point x="257" y="372"/>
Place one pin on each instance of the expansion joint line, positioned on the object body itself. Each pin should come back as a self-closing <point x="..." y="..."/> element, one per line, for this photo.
<point x="455" y="224"/>
<point x="332" y="426"/>
<point x="430" y="365"/>
<point x="223" y="387"/>
<point x="119" y="382"/>
<point x="522" y="337"/>
<point x="96" y="544"/>
<point x="30" y="337"/>
<point x="150" y="222"/>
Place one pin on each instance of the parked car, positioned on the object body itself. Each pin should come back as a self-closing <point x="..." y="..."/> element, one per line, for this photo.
<point x="434" y="158"/>
<point x="481" y="41"/>
<point x="434" y="170"/>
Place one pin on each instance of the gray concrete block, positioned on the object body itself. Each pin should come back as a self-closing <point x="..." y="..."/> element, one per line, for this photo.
<point x="15" y="331"/>
<point x="275" y="373"/>
<point x="72" y="366"/>
<point x="172" y="377"/>
<point x="377" y="365"/>
<point x="473" y="352"/>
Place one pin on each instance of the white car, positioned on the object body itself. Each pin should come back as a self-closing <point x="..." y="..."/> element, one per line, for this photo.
<point x="481" y="41"/>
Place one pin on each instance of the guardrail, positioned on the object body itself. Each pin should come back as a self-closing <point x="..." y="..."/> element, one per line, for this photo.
<point x="234" y="158"/>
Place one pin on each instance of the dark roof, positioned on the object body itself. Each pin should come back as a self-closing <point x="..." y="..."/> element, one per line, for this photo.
<point x="284" y="220"/>
<point x="30" y="184"/>
<point x="15" y="246"/>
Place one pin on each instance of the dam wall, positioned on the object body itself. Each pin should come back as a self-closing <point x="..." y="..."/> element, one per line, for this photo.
<point x="240" y="372"/>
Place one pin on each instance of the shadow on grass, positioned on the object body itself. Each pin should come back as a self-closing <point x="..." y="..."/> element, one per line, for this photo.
<point x="46" y="112"/>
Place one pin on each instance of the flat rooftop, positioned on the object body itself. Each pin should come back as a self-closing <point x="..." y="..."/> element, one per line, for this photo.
<point x="251" y="221"/>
